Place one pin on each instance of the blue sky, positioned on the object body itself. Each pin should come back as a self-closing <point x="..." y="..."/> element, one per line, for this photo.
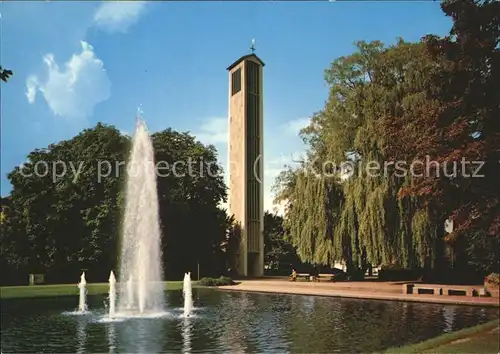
<point x="78" y="63"/>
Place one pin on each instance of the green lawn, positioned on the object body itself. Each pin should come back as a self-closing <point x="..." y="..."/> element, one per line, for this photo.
<point x="484" y="338"/>
<point x="7" y="292"/>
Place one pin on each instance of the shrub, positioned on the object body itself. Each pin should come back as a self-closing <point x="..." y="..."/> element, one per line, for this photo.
<point x="216" y="281"/>
<point x="278" y="272"/>
<point x="395" y="273"/>
<point x="355" y="274"/>
<point x="493" y="279"/>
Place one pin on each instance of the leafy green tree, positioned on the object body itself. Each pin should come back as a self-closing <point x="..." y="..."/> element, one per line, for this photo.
<point x="189" y="193"/>
<point x="360" y="220"/>
<point x="227" y="247"/>
<point x="5" y="74"/>
<point x="459" y="122"/>
<point x="64" y="218"/>
<point x="278" y="252"/>
<point x="387" y="105"/>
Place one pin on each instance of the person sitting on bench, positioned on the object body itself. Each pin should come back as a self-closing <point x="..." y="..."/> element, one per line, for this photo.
<point x="293" y="277"/>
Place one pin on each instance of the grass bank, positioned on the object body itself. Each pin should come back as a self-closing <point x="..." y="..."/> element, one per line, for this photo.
<point x="8" y="292"/>
<point x="479" y="339"/>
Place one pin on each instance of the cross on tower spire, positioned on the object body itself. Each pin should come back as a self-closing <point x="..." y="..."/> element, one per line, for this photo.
<point x="252" y="47"/>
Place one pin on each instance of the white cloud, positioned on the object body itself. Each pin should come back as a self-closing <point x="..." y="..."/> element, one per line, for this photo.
<point x="296" y="125"/>
<point x="74" y="90"/>
<point x="31" y="85"/>
<point x="118" y="16"/>
<point x="214" y="131"/>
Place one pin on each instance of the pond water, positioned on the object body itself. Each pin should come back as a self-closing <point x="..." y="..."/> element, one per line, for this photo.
<point x="231" y="322"/>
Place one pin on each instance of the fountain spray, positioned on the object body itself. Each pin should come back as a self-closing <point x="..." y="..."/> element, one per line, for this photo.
<point x="187" y="291"/>
<point x="82" y="303"/>
<point x="112" y="294"/>
<point x="130" y="292"/>
<point x="141" y="255"/>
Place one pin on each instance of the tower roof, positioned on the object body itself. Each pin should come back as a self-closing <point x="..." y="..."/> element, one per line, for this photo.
<point x="245" y="57"/>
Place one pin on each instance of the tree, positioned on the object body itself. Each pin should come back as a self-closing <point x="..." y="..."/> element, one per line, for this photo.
<point x="227" y="247"/>
<point x="278" y="252"/>
<point x="459" y="123"/>
<point x="64" y="218"/>
<point x="5" y="74"/>
<point x="393" y="106"/>
<point x="359" y="220"/>
<point x="189" y="194"/>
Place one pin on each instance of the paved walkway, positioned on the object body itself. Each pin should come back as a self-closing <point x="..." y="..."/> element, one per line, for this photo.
<point x="374" y="290"/>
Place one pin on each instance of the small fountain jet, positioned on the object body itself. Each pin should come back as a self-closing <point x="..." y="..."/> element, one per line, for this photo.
<point x="188" y="296"/>
<point x="112" y="294"/>
<point x="82" y="304"/>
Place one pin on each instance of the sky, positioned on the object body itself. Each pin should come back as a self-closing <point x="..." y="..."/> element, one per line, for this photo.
<point x="79" y="63"/>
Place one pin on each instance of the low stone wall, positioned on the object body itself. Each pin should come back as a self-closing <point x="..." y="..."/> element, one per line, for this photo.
<point x="359" y="290"/>
<point x="449" y="290"/>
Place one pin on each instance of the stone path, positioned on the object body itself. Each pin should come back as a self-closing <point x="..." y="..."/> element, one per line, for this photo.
<point x="375" y="290"/>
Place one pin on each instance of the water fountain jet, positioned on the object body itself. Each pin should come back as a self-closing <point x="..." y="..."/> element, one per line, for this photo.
<point x="130" y="293"/>
<point x="141" y="243"/>
<point x="112" y="294"/>
<point x="187" y="291"/>
<point x="82" y="302"/>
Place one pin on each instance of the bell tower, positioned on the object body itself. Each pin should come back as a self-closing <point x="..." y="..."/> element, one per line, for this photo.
<point x="246" y="193"/>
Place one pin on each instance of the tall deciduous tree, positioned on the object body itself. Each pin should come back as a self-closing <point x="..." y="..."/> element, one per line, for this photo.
<point x="189" y="192"/>
<point x="278" y="252"/>
<point x="360" y="220"/>
<point x="63" y="217"/>
<point x="391" y="107"/>
<point x="459" y="128"/>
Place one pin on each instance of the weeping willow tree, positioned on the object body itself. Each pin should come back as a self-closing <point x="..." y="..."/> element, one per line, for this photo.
<point x="358" y="217"/>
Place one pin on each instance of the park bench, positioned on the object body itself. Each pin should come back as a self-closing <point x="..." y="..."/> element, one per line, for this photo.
<point x="326" y="276"/>
<point x="423" y="289"/>
<point x="441" y="290"/>
<point x="35" y="279"/>
<point x="309" y="277"/>
<point x="458" y="291"/>
<point x="305" y="276"/>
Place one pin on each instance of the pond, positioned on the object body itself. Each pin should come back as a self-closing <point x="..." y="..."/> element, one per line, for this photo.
<point x="231" y="322"/>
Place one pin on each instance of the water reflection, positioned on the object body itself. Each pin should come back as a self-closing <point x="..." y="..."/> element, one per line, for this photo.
<point x="141" y="337"/>
<point x="81" y="333"/>
<point x="308" y="303"/>
<point x="234" y="322"/>
<point x="268" y="332"/>
<point x="111" y="337"/>
<point x="449" y="316"/>
<point x="186" y="335"/>
<point x="136" y="335"/>
<point x="482" y="315"/>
